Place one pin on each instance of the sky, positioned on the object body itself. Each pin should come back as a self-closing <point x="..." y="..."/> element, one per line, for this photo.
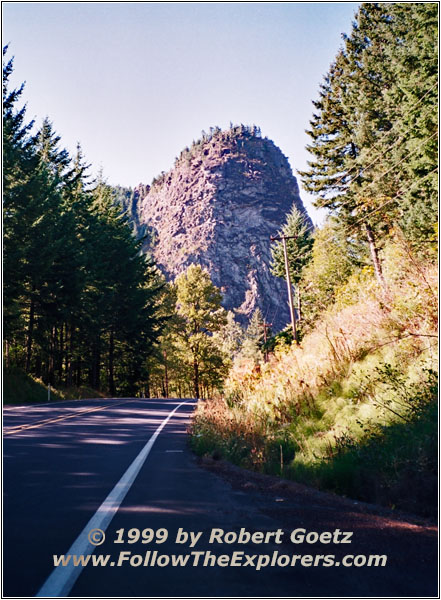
<point x="135" y="83"/>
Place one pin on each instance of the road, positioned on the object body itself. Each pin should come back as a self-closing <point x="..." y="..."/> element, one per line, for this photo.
<point x="124" y="464"/>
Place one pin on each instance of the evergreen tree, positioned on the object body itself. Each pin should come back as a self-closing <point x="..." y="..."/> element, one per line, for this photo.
<point x="18" y="164"/>
<point x="373" y="132"/>
<point x="298" y="249"/>
<point x="334" y="257"/>
<point x="199" y="305"/>
<point x="81" y="301"/>
<point x="230" y="337"/>
<point x="123" y="324"/>
<point x="414" y="106"/>
<point x="50" y="251"/>
<point x="254" y="337"/>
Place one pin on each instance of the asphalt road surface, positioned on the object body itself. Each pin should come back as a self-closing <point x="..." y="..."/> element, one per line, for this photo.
<point x="123" y="467"/>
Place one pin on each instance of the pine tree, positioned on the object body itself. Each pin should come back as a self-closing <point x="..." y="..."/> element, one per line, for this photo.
<point x="372" y="153"/>
<point x="121" y="304"/>
<point x="230" y="337"/>
<point x="415" y="67"/>
<point x="199" y="304"/>
<point x="333" y="259"/>
<point x="254" y="337"/>
<point x="18" y="164"/>
<point x="50" y="230"/>
<point x="298" y="249"/>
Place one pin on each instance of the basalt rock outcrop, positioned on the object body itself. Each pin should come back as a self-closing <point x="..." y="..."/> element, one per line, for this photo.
<point x="218" y="207"/>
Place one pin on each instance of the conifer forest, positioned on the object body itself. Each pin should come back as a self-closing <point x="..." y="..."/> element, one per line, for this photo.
<point x="349" y="404"/>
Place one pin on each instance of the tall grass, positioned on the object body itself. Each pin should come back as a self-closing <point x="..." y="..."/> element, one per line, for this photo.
<point x="353" y="408"/>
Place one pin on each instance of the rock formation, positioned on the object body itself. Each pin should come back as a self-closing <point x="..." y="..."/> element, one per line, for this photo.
<point x="218" y="207"/>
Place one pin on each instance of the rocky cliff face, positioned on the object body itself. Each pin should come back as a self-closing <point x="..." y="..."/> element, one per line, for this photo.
<point x="218" y="207"/>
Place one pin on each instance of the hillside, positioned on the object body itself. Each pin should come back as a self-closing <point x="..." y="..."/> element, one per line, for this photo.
<point x="218" y="207"/>
<point x="354" y="407"/>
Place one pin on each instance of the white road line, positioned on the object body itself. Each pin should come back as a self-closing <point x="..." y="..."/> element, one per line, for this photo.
<point x="62" y="579"/>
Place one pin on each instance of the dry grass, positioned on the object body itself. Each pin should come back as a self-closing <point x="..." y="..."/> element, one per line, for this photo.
<point x="307" y="402"/>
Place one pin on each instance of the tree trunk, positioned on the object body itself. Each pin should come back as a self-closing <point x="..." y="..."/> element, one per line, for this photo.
<point x="78" y="372"/>
<point x="147" y="385"/>
<point x="165" y="374"/>
<point x="374" y="255"/>
<point x="111" y="364"/>
<point x="30" y="333"/>
<point x="61" y="356"/>
<point x="51" y="356"/>
<point x="70" y="360"/>
<point x="38" y="363"/>
<point x="8" y="363"/>
<point x="134" y="386"/>
<point x="96" y="364"/>
<point x="196" y="378"/>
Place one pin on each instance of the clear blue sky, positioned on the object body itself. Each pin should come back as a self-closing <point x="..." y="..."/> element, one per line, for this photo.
<point x="135" y="83"/>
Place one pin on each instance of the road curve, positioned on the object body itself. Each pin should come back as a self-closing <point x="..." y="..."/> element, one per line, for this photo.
<point x="124" y="464"/>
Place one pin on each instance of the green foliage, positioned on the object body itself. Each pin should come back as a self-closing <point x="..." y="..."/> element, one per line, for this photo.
<point x="198" y="303"/>
<point x="415" y="69"/>
<point x="21" y="388"/>
<point x="253" y="339"/>
<point x="353" y="408"/>
<point x="334" y="258"/>
<point x="171" y="365"/>
<point x="298" y="249"/>
<point x="198" y="300"/>
<point x="373" y="135"/>
<point x="80" y="299"/>
<point x="393" y="464"/>
<point x="230" y="337"/>
<point x="235" y="134"/>
<point x="282" y="339"/>
<point x="395" y="395"/>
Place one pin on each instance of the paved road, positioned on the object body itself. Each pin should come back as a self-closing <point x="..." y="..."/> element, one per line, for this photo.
<point x="69" y="466"/>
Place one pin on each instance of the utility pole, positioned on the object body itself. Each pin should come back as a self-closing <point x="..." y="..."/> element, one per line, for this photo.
<point x="288" y="281"/>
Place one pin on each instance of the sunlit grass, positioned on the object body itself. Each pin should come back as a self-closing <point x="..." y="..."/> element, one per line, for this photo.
<point x="351" y="409"/>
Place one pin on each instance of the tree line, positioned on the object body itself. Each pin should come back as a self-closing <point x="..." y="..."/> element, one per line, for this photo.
<point x="374" y="153"/>
<point x="353" y="407"/>
<point x="374" y="129"/>
<point x="84" y="304"/>
<point x="373" y="166"/>
<point x="200" y="339"/>
<point x="80" y="299"/>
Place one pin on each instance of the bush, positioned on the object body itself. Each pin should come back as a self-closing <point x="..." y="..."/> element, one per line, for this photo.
<point x="352" y="408"/>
